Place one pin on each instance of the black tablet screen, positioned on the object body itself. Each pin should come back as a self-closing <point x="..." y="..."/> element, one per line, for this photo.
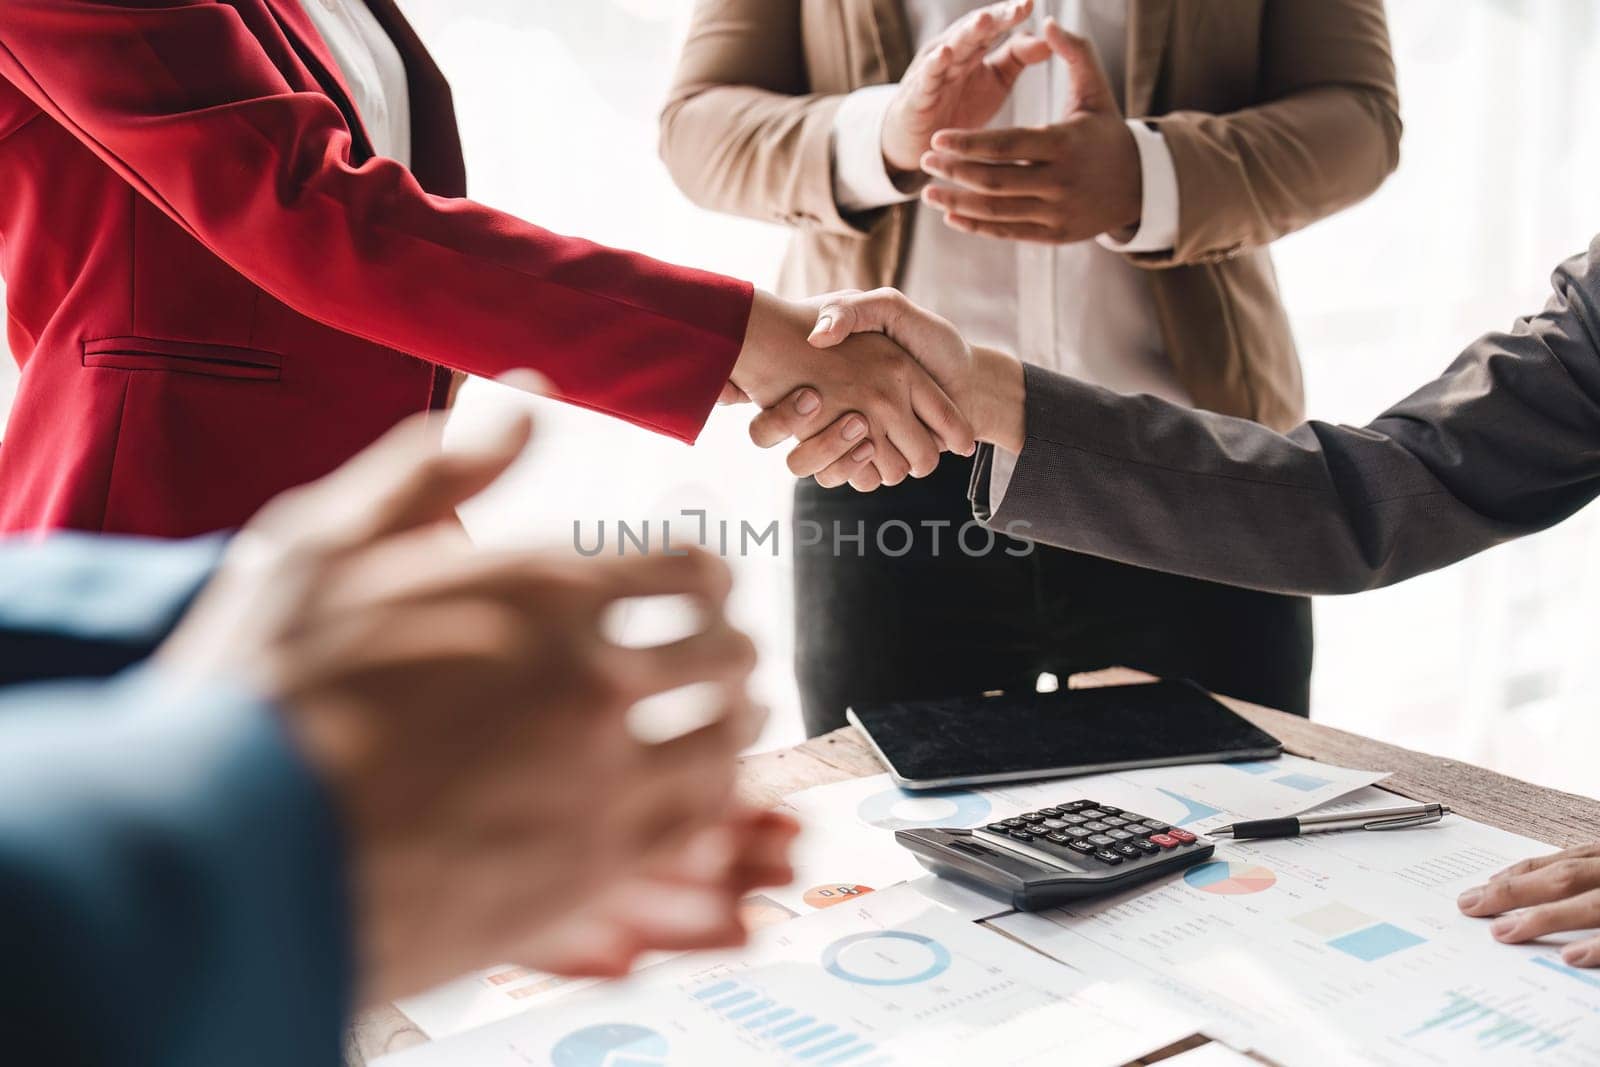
<point x="1049" y="734"/>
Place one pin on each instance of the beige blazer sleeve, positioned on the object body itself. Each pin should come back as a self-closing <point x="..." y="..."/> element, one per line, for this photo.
<point x="1326" y="135"/>
<point x="742" y="133"/>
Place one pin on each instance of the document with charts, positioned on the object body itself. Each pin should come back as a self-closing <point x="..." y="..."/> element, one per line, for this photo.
<point x="481" y="998"/>
<point x="506" y="990"/>
<point x="1341" y="948"/>
<point x="891" y="979"/>
<point x="848" y="846"/>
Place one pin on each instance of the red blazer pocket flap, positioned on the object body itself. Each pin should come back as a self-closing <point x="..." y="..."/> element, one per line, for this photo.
<point x="182" y="357"/>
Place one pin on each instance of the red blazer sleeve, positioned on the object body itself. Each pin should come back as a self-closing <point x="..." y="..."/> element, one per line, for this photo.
<point x="183" y="101"/>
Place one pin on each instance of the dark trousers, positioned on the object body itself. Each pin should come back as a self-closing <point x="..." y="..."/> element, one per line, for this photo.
<point x="897" y="616"/>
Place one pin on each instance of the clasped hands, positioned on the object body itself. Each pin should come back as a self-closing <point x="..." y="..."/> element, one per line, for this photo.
<point x="467" y="712"/>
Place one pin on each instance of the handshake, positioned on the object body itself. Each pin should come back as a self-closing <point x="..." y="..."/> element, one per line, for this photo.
<point x="883" y="387"/>
<point x="874" y="388"/>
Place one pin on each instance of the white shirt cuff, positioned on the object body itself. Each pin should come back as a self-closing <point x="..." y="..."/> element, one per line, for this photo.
<point x="1158" y="226"/>
<point x="1002" y="465"/>
<point x="861" y="182"/>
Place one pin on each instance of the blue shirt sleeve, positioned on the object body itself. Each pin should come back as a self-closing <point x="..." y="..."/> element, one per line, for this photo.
<point x="171" y="883"/>
<point x="79" y="606"/>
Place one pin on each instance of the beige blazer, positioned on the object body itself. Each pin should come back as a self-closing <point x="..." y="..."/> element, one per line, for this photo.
<point x="1277" y="113"/>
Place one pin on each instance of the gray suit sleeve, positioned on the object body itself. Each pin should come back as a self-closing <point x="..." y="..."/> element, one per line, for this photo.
<point x="1504" y="443"/>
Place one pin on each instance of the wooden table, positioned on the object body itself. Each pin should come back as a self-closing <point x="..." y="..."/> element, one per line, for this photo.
<point x="1560" y="819"/>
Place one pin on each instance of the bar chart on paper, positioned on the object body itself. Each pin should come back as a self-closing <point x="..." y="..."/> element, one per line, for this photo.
<point x="894" y="978"/>
<point x="787" y="1030"/>
<point x="1490" y="1023"/>
<point x="870" y="958"/>
<point x="1536" y="1010"/>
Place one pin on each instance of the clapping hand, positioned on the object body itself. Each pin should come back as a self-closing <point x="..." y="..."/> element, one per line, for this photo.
<point x="1057" y="184"/>
<point x="889" y="417"/>
<point x="959" y="81"/>
<point x="1546" y="895"/>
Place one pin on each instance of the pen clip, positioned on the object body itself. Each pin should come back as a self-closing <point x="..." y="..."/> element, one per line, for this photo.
<point x="1405" y="823"/>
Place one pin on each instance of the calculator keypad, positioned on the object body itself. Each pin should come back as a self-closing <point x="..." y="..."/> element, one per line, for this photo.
<point x="1058" y="854"/>
<point x="1107" y="834"/>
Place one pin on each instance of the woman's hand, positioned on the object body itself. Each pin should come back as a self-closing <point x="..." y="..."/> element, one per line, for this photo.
<point x="958" y="81"/>
<point x="1546" y="895"/>
<point x="986" y="385"/>
<point x="900" y="419"/>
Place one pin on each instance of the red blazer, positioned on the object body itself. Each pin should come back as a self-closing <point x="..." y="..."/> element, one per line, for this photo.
<point x="216" y="293"/>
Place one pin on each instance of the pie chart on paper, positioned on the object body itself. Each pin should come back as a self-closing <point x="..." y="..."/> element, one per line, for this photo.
<point x="1230" y="879"/>
<point x="611" y="1045"/>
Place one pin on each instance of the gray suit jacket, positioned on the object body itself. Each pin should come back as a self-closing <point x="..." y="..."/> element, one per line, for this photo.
<point x="1504" y="443"/>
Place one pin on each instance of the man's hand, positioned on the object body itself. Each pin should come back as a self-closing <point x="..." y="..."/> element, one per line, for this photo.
<point x="958" y="81"/>
<point x="467" y="709"/>
<point x="902" y="420"/>
<point x="985" y="384"/>
<point x="1542" y="896"/>
<point x="1057" y="184"/>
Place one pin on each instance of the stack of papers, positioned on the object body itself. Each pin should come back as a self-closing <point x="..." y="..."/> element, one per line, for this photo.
<point x="848" y="850"/>
<point x="898" y="977"/>
<point x="1341" y="948"/>
<point x="1325" y="949"/>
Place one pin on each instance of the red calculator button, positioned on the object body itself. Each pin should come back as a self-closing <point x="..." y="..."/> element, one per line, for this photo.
<point x="1164" y="841"/>
<point x="1182" y="835"/>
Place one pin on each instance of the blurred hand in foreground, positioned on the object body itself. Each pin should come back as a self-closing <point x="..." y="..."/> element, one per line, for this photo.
<point x="688" y="900"/>
<point x="468" y="713"/>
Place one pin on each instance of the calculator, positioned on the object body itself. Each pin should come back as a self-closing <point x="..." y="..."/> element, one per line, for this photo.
<point x="1057" y="854"/>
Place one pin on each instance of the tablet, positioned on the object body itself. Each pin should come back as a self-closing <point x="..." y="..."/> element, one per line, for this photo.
<point x="1011" y="737"/>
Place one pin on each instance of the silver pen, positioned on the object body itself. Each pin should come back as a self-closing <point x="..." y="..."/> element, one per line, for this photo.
<point x="1377" y="819"/>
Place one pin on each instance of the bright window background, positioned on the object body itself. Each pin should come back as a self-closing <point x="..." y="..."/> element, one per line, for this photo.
<point x="1491" y="661"/>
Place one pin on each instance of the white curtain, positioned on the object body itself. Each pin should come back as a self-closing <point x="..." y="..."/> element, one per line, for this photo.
<point x="1489" y="661"/>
